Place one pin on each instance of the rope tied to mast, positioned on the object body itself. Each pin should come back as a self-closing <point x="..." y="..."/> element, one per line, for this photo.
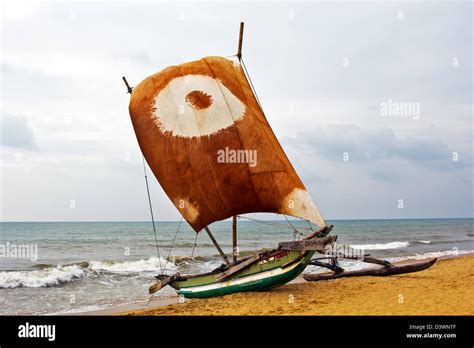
<point x="297" y="234"/>
<point x="271" y="223"/>
<point x="251" y="84"/>
<point x="172" y="244"/>
<point x="192" y="253"/>
<point x="152" y="218"/>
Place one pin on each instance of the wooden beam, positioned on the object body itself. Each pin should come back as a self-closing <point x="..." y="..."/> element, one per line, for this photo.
<point x="234" y="239"/>
<point x="323" y="232"/>
<point x="241" y="37"/>
<point x="217" y="245"/>
<point x="317" y="244"/>
<point x="332" y="267"/>
<point x="366" y="258"/>
<point x="163" y="280"/>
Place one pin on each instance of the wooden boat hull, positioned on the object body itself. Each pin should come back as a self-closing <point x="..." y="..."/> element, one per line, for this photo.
<point x="275" y="269"/>
<point x="401" y="267"/>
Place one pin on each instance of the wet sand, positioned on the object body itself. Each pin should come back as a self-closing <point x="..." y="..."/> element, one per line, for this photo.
<point x="444" y="289"/>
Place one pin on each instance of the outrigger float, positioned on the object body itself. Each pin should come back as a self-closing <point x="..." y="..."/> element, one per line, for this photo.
<point x="183" y="117"/>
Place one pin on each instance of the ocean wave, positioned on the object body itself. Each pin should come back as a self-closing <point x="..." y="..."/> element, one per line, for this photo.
<point x="186" y="260"/>
<point x="424" y="241"/>
<point x="432" y="254"/>
<point x="153" y="264"/>
<point x="44" y="278"/>
<point x="50" y="275"/>
<point x="385" y="246"/>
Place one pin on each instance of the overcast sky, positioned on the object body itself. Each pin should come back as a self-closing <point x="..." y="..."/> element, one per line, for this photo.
<point x="323" y="72"/>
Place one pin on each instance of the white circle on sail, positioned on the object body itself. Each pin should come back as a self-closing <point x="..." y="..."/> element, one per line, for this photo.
<point x="196" y="105"/>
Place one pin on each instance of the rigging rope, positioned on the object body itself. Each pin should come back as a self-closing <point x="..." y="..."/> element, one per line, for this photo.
<point x="296" y="232"/>
<point x="270" y="223"/>
<point x="152" y="218"/>
<point x="192" y="254"/>
<point x="251" y="85"/>
<point x="172" y="244"/>
<point x="289" y="223"/>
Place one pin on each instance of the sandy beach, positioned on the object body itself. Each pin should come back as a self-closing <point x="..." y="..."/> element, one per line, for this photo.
<point x="444" y="289"/>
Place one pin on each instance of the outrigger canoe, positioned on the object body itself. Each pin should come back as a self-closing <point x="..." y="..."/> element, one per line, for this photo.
<point x="204" y="135"/>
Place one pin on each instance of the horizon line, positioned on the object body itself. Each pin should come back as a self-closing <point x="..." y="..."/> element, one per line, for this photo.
<point x="226" y="220"/>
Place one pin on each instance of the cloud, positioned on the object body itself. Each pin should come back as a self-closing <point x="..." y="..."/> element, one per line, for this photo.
<point x="17" y="133"/>
<point x="67" y="95"/>
<point x="367" y="145"/>
<point x="32" y="86"/>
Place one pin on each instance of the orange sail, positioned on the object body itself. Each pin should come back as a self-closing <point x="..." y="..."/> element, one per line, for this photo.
<point x="210" y="146"/>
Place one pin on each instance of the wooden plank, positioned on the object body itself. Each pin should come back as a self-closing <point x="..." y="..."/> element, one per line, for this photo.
<point x="396" y="268"/>
<point x="321" y="233"/>
<point x="162" y="281"/>
<point x="317" y="244"/>
<point x="239" y="267"/>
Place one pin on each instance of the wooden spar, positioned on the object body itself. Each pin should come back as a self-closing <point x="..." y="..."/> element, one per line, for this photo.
<point x="370" y="260"/>
<point x="241" y="36"/>
<point x="332" y="267"/>
<point x="320" y="233"/>
<point x="317" y="244"/>
<point x="234" y="239"/>
<point x="217" y="245"/>
<point x="397" y="268"/>
<point x="129" y="89"/>
<point x="163" y="280"/>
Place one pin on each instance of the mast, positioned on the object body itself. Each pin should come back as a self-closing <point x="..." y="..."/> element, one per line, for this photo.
<point x="241" y="36"/>
<point x="234" y="239"/>
<point x="129" y="89"/>
<point x="234" y="218"/>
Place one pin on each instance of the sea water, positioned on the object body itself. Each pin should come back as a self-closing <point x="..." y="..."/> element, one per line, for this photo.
<point x="83" y="266"/>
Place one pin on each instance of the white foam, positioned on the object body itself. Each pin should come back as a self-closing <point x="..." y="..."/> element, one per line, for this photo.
<point x="82" y="309"/>
<point x="432" y="254"/>
<point x="391" y="245"/>
<point x="43" y="278"/>
<point x="53" y="276"/>
<point x="424" y="241"/>
<point x="150" y="265"/>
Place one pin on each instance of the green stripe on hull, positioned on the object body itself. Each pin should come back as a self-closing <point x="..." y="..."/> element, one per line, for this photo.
<point x="257" y="277"/>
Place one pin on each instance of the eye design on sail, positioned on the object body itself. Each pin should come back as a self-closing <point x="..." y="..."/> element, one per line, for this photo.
<point x="199" y="100"/>
<point x="196" y="105"/>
